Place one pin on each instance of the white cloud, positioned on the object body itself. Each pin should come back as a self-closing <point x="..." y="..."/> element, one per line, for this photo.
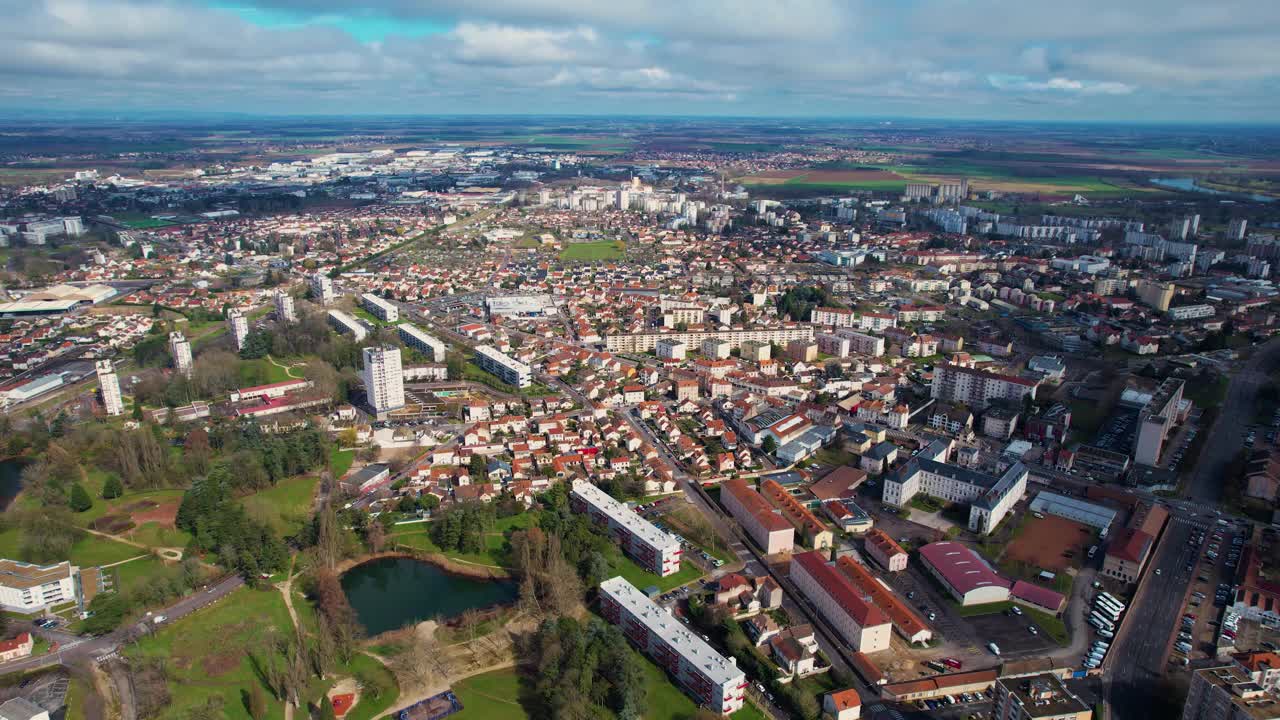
<point x="1019" y="83"/>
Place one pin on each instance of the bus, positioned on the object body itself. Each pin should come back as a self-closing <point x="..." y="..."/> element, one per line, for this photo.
<point x="1109" y="596"/>
<point x="1100" y="600"/>
<point x="1097" y="624"/>
<point x="1110" y="613"/>
<point x="1110" y="625"/>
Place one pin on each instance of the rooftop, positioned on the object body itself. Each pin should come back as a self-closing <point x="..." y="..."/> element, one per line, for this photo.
<point x="963" y="568"/>
<point x="624" y="516"/>
<point x="1043" y="696"/>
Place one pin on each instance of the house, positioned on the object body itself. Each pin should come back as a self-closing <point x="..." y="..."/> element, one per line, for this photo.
<point x="791" y="657"/>
<point x="876" y="460"/>
<point x="18" y="647"/>
<point x="842" y="705"/>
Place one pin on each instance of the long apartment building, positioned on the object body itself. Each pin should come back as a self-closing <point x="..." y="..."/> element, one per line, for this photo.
<point x="422" y="342"/>
<point x="769" y="530"/>
<point x="979" y="388"/>
<point x="646" y="341"/>
<point x="380" y="308"/>
<point x="905" y="620"/>
<point x="180" y="350"/>
<point x="842" y="318"/>
<point x="508" y="369"/>
<point x="712" y="680"/>
<point x="27" y="588"/>
<point x="989" y="497"/>
<point x="654" y="550"/>
<point x="861" y="624"/>
<point x="812" y="530"/>
<point x="109" y="386"/>
<point x="345" y="323"/>
<point x="1228" y="692"/>
<point x="1156" y="420"/>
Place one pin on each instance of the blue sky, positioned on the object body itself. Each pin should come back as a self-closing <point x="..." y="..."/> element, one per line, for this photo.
<point x="1132" y="60"/>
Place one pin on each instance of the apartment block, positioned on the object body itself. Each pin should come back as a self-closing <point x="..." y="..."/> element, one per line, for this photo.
<point x="1156" y="420"/>
<point x="814" y="533"/>
<point x="770" y="531"/>
<point x="646" y="341"/>
<point x="27" y="588"/>
<point x="322" y="289"/>
<point x="654" y="550"/>
<point x="379" y="308"/>
<point x="285" y="311"/>
<point x="509" y="370"/>
<point x="422" y="342"/>
<point x="712" y="680"/>
<point x="1228" y="692"/>
<point x="180" y="350"/>
<point x="383" y="379"/>
<point x="345" y="323"/>
<point x="238" y="325"/>
<point x="109" y="386"/>
<point x="1037" y="697"/>
<point x="979" y="388"/>
<point x="864" y="626"/>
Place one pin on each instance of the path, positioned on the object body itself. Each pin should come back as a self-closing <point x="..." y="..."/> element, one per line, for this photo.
<point x="286" y="589"/>
<point x="288" y="369"/>
<point x="169" y="553"/>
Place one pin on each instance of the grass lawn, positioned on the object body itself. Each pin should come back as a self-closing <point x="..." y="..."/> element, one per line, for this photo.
<point x="286" y="506"/>
<point x="664" y="700"/>
<point x="135" y="572"/>
<point x="495" y="541"/>
<point x="207" y="652"/>
<point x="261" y="372"/>
<point x="983" y="609"/>
<point x="157" y="535"/>
<point x="491" y="695"/>
<point x="370" y="707"/>
<point x="834" y="457"/>
<point x="594" y="251"/>
<point x="341" y="461"/>
<point x="1049" y="625"/>
<point x="642" y="578"/>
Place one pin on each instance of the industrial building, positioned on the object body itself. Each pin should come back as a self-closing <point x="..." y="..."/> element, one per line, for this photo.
<point x="712" y="680"/>
<point x="654" y="550"/>
<point x="969" y="579"/>
<point x="1081" y="511"/>
<point x="57" y="299"/>
<point x="520" y="306"/>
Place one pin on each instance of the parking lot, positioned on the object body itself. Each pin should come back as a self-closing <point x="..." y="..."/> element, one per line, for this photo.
<point x="1118" y="432"/>
<point x="1012" y="634"/>
<point x="1217" y="549"/>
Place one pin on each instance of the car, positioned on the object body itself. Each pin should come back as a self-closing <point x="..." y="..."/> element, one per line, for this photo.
<point x="1159" y="571"/>
<point x="994" y="648"/>
<point x="911" y="594"/>
<point x="932" y="615"/>
<point x="1016" y="610"/>
<point x="1032" y="629"/>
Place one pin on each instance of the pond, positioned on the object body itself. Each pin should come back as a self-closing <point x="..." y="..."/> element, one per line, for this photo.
<point x="1190" y="185"/>
<point x="389" y="593"/>
<point x="10" y="480"/>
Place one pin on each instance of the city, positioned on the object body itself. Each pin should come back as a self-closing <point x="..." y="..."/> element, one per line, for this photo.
<point x="634" y="412"/>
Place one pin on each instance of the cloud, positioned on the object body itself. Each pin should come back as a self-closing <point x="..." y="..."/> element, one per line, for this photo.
<point x="1019" y="83"/>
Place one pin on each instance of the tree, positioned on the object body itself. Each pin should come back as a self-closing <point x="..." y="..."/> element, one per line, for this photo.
<point x="479" y="467"/>
<point x="112" y="488"/>
<point x="80" y="500"/>
<point x="257" y="704"/>
<point x="770" y="446"/>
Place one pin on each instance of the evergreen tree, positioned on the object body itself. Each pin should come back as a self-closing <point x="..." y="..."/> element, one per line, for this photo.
<point x="80" y="500"/>
<point x="112" y="488"/>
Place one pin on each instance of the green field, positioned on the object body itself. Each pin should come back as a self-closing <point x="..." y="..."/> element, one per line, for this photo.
<point x="286" y="506"/>
<point x="341" y="460"/>
<point x="142" y="221"/>
<point x="88" y="551"/>
<point x="594" y="251"/>
<point x="495" y="541"/>
<point x="642" y="578"/>
<point x="261" y="372"/>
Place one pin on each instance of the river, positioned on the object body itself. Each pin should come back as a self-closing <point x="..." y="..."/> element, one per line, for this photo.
<point x="389" y="593"/>
<point x="1187" y="184"/>
<point x="10" y="480"/>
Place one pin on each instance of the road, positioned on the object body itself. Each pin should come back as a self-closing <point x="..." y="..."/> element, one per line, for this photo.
<point x="94" y="648"/>
<point x="1138" y="656"/>
<point x="1234" y="416"/>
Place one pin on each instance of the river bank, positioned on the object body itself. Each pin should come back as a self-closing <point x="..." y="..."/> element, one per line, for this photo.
<point x="453" y="567"/>
<point x="397" y="589"/>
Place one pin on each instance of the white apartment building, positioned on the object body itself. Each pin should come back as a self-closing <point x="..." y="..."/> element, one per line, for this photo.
<point x="284" y="307"/>
<point x="978" y="388"/>
<point x="322" y="289"/>
<point x="383" y="378"/>
<point x="712" y="680"/>
<point x="990" y="498"/>
<point x="646" y="341"/>
<point x="834" y="317"/>
<point x="1156" y="420"/>
<point x="1189" y="312"/>
<point x="861" y="624"/>
<point x="862" y="343"/>
<point x="180" y="350"/>
<point x="770" y="531"/>
<point x="380" y="308"/>
<point x="833" y="345"/>
<point x="27" y="588"/>
<point x="109" y="386"/>
<point x="654" y="550"/>
<point x="345" y="323"/>
<point x="239" y="326"/>
<point x="672" y="350"/>
<point x="508" y="369"/>
<point x="422" y="342"/>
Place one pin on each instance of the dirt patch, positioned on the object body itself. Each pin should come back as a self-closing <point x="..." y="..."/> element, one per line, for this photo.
<point x="112" y="524"/>
<point x="139" y="506"/>
<point x="220" y="663"/>
<point x="164" y="514"/>
<point x="1045" y="543"/>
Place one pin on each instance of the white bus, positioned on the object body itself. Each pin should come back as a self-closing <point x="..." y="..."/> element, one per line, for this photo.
<point x="1108" y="624"/>
<point x="1112" y="598"/>
<point x="1109" y="603"/>
<point x="1110" y="613"/>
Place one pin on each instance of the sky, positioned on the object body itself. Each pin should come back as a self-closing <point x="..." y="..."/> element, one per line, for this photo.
<point x="1073" y="60"/>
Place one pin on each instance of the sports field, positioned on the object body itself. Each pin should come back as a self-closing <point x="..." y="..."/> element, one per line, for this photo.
<point x="594" y="252"/>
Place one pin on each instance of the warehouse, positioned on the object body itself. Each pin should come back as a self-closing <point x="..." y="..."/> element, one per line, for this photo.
<point x="964" y="573"/>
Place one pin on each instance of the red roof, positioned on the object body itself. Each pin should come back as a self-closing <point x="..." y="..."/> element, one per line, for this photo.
<point x="1130" y="545"/>
<point x="283" y="383"/>
<point x="845" y="699"/>
<point x="1036" y="595"/>
<point x="841" y="589"/>
<point x="15" y="643"/>
<point x="963" y="568"/>
<point x="751" y="501"/>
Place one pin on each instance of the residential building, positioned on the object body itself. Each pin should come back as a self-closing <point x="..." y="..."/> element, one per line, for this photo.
<point x="17" y="647"/>
<point x="814" y="533"/>
<point x="285" y="312"/>
<point x="1228" y="692"/>
<point x="1156" y="420"/>
<point x="712" y="680"/>
<point x="109" y="387"/>
<point x="379" y="308"/>
<point x="654" y="550"/>
<point x="990" y="498"/>
<point x="646" y="341"/>
<point x="1127" y="554"/>
<point x="415" y="338"/>
<point x="26" y="588"/>
<point x="858" y="622"/>
<point x="1037" y="697"/>
<point x="180" y="350"/>
<point x="508" y="370"/>
<point x="383" y="379"/>
<point x="979" y="388"/>
<point x="670" y="349"/>
<point x="885" y="551"/>
<point x="1189" y="312"/>
<point x="842" y="705"/>
<point x="1155" y="294"/>
<point x="238" y="324"/>
<point x="904" y="619"/>
<point x="322" y="289"/>
<point x="345" y="323"/>
<point x="770" y="531"/>
<point x="1237" y="228"/>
